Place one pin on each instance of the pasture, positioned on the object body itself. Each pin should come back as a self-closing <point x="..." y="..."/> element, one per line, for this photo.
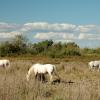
<point x="77" y="81"/>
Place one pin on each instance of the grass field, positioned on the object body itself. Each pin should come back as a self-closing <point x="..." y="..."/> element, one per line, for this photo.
<point x="85" y="83"/>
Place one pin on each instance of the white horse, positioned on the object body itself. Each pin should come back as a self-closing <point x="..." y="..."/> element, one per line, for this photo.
<point x="94" y="64"/>
<point x="4" y="63"/>
<point x="41" y="69"/>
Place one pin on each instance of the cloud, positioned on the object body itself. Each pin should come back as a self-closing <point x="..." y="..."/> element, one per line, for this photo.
<point x="55" y="36"/>
<point x="47" y="26"/>
<point x="9" y="30"/>
<point x="86" y="28"/>
<point x="8" y="35"/>
<point x="8" y="27"/>
<point x="63" y="41"/>
<point x="55" y="31"/>
<point x="35" y="26"/>
<point x="84" y="36"/>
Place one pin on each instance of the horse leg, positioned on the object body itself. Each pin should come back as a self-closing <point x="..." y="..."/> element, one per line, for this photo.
<point x="42" y="77"/>
<point x="51" y="77"/>
<point x="27" y="77"/>
<point x="3" y="65"/>
<point x="36" y="75"/>
<point x="39" y="77"/>
<point x="98" y="68"/>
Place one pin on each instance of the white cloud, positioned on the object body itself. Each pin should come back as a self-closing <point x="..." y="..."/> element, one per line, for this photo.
<point x="8" y="31"/>
<point x="5" y="35"/>
<point x="35" y="26"/>
<point x="9" y="34"/>
<point x="7" y="27"/>
<point x="55" y="36"/>
<point x="63" y="41"/>
<point x="84" y="36"/>
<point x="86" y="28"/>
<point x="55" y="31"/>
<point x="47" y="26"/>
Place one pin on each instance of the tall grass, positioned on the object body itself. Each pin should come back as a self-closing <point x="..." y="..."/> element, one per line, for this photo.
<point x="85" y="86"/>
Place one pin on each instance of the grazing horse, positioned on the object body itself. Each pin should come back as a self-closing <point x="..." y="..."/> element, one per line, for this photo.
<point x="4" y="63"/>
<point x="42" y="69"/>
<point x="94" y="64"/>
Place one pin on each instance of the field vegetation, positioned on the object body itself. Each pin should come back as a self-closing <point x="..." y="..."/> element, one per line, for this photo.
<point x="77" y="81"/>
<point x="21" y="46"/>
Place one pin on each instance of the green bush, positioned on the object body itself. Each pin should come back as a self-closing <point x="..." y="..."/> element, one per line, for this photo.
<point x="20" y="46"/>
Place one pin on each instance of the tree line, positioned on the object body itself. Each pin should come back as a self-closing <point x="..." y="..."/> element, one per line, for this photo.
<point x="20" y="46"/>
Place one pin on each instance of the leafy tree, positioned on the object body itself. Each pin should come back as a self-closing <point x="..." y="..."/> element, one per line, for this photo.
<point x="17" y="46"/>
<point x="4" y="49"/>
<point x="42" y="46"/>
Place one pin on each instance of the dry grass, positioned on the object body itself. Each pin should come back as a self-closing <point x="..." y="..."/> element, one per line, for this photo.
<point x="85" y="83"/>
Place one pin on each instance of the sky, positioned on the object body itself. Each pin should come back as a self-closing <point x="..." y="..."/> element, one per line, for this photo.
<point x="60" y="20"/>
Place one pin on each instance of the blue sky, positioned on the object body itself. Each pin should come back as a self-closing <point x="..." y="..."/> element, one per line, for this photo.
<point x="60" y="20"/>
